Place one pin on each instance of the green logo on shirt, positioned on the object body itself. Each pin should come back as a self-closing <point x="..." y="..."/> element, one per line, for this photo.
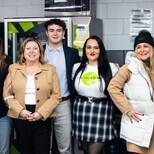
<point x="90" y="78"/>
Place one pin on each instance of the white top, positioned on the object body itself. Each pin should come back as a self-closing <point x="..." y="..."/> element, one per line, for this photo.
<point x="89" y="83"/>
<point x="30" y="94"/>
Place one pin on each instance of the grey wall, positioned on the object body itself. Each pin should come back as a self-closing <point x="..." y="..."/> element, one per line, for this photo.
<point x="116" y="27"/>
<point x="21" y="8"/>
<point x="114" y="13"/>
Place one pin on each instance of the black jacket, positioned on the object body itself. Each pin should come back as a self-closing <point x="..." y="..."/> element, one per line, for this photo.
<point x="71" y="57"/>
<point x="3" y="74"/>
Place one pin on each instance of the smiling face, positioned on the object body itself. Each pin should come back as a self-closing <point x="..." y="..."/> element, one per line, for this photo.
<point x="32" y="52"/>
<point x="55" y="34"/>
<point x="92" y="51"/>
<point x="144" y="51"/>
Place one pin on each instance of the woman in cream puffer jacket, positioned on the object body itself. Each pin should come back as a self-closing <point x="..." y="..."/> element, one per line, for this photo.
<point x="132" y="92"/>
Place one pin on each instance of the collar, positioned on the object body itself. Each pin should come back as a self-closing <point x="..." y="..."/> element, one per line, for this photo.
<point x="51" y="49"/>
<point x="22" y="68"/>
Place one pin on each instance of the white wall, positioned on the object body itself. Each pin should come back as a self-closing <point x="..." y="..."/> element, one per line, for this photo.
<point x="114" y="13"/>
<point x="116" y="27"/>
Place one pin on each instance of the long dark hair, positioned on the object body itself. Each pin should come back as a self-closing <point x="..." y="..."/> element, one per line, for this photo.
<point x="3" y="57"/>
<point x="104" y="70"/>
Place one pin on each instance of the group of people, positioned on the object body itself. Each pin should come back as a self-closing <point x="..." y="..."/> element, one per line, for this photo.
<point x="51" y="91"/>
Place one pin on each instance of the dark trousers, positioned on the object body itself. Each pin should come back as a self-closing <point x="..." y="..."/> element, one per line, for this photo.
<point x="132" y="153"/>
<point x="33" y="137"/>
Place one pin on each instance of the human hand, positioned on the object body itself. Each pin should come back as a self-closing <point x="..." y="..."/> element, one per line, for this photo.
<point x="35" y="117"/>
<point x="133" y="115"/>
<point x="24" y="114"/>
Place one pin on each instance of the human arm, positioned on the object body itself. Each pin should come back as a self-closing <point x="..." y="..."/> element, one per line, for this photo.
<point x="49" y="105"/>
<point x="14" y="106"/>
<point x="115" y="89"/>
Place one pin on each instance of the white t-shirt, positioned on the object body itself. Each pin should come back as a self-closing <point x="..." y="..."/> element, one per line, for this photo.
<point x="89" y="83"/>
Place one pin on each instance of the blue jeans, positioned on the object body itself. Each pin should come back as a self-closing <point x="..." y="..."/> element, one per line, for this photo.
<point x="5" y="133"/>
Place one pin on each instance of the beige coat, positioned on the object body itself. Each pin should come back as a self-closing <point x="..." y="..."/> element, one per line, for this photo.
<point x="47" y="90"/>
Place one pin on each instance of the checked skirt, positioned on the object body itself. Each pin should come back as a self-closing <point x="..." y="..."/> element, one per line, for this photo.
<point x="93" y="121"/>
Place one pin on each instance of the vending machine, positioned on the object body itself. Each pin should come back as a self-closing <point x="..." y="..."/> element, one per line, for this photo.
<point x="83" y="27"/>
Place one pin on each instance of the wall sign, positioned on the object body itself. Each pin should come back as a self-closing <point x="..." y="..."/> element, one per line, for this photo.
<point x="140" y="19"/>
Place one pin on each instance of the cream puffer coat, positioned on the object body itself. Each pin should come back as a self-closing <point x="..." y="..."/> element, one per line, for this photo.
<point x="137" y="94"/>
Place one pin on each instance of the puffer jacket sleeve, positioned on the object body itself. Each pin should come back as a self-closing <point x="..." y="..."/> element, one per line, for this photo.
<point x="115" y="89"/>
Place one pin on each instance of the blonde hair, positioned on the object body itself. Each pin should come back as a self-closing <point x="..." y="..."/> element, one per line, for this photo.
<point x="149" y="65"/>
<point x="151" y="71"/>
<point x="21" y="58"/>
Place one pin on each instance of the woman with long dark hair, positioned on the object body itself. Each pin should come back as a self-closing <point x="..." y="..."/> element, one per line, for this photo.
<point x="92" y="109"/>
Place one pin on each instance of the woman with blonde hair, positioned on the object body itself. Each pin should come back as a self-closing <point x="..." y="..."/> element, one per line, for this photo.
<point x="132" y="90"/>
<point x="31" y="90"/>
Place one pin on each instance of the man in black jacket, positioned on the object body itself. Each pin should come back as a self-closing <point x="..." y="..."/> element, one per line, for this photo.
<point x="63" y="58"/>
